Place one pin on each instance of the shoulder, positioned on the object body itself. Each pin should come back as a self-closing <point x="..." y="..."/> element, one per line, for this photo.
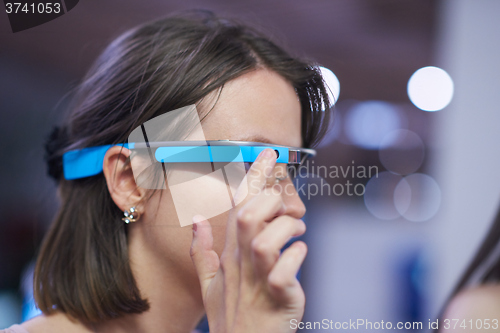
<point x="482" y="302"/>
<point x="53" y="323"/>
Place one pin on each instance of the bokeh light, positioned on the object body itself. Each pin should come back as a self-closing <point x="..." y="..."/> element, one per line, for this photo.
<point x="417" y="197"/>
<point x="333" y="85"/>
<point x="402" y="151"/>
<point x="379" y="195"/>
<point x="430" y="88"/>
<point x="367" y="123"/>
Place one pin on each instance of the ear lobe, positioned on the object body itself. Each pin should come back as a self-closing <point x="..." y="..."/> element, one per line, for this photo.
<point x="120" y="178"/>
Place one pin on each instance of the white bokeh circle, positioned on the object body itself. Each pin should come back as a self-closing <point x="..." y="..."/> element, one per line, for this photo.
<point x="379" y="195"/>
<point x="332" y="83"/>
<point x="430" y="88"/>
<point x="417" y="197"/>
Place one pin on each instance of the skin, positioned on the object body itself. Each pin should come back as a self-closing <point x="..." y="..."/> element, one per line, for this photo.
<point x="229" y="266"/>
<point x="476" y="304"/>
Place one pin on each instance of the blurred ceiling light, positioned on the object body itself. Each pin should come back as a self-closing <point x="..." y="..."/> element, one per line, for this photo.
<point x="333" y="85"/>
<point x="367" y="123"/>
<point x="430" y="88"/>
<point x="417" y="197"/>
<point x="402" y="151"/>
<point x="379" y="195"/>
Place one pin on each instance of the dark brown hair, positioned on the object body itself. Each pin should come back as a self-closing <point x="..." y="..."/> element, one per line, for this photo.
<point x="83" y="266"/>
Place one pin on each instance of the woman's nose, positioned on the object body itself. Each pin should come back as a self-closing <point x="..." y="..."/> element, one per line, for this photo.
<point x="294" y="206"/>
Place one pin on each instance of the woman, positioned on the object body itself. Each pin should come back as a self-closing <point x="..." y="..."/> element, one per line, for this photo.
<point x="474" y="304"/>
<point x="96" y="273"/>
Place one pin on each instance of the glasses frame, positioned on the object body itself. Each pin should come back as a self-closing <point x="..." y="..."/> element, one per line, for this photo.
<point x="86" y="162"/>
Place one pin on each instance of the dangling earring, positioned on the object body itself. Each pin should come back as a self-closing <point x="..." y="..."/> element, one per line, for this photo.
<point x="131" y="215"/>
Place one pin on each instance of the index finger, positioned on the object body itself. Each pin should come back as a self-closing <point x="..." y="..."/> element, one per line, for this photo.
<point x="252" y="184"/>
<point x="256" y="177"/>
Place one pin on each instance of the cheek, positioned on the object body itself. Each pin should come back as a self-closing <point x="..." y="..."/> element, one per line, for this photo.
<point x="163" y="235"/>
<point x="209" y="194"/>
<point x="162" y="226"/>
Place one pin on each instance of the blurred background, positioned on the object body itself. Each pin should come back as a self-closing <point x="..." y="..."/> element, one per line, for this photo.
<point x="391" y="251"/>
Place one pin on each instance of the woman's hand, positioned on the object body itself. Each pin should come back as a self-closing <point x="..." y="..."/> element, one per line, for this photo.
<point x="251" y="288"/>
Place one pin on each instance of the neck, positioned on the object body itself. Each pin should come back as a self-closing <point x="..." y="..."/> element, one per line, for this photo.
<point x="175" y="301"/>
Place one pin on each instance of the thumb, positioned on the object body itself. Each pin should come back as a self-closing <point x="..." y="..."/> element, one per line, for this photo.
<point x="205" y="259"/>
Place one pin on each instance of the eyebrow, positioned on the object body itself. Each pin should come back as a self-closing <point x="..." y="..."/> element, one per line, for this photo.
<point x="255" y="138"/>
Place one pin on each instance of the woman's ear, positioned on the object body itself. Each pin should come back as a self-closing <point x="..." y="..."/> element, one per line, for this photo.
<point x="120" y="178"/>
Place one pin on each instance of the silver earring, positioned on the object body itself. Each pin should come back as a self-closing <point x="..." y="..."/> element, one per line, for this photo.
<point x="131" y="215"/>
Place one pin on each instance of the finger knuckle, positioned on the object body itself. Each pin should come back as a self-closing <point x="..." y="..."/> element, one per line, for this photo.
<point x="260" y="248"/>
<point x="244" y="218"/>
<point x="301" y="225"/>
<point x="279" y="281"/>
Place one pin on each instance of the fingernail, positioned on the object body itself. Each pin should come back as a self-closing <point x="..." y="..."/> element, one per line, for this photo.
<point x="267" y="153"/>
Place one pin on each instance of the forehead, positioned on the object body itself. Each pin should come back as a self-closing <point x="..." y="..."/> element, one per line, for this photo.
<point x="257" y="106"/>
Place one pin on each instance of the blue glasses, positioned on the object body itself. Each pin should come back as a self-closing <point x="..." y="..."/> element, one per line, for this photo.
<point x="88" y="162"/>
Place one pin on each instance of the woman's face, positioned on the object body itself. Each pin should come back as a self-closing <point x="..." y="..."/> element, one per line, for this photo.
<point x="257" y="106"/>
